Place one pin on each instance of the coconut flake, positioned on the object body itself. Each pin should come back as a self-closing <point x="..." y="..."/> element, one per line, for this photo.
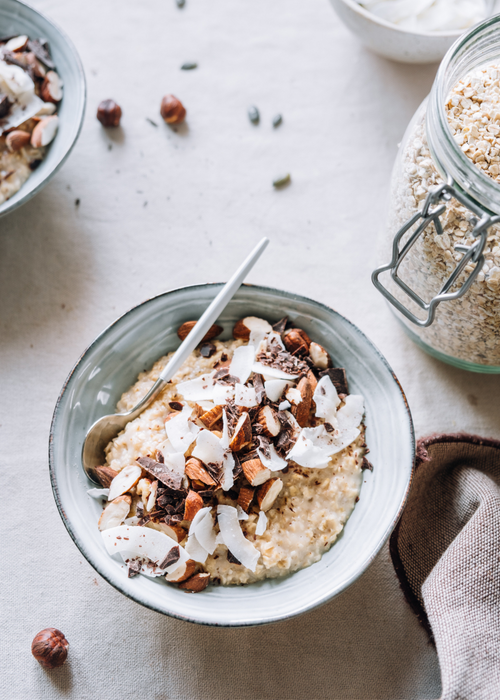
<point x="181" y="431"/>
<point x="234" y="539"/>
<point x="272" y="372"/>
<point x="241" y="513"/>
<point x="228" y="458"/>
<point x="275" y="388"/>
<point x="308" y="450"/>
<point x="245" y="396"/>
<point x="208" y="448"/>
<point x="202" y="528"/>
<point x="326" y="399"/>
<point x="98" y="493"/>
<point x="222" y="393"/>
<point x="293" y="395"/>
<point x="261" y="524"/>
<point x="284" y="405"/>
<point x="198" y="389"/>
<point x="274" y="462"/>
<point x="142" y="542"/>
<point x="195" y="550"/>
<point x="242" y="362"/>
<point x="175" y="461"/>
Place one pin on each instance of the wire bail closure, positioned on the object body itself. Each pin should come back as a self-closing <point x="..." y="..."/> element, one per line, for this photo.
<point x="435" y="205"/>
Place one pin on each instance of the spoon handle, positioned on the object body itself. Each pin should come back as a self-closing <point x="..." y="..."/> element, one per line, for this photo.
<point x="212" y="313"/>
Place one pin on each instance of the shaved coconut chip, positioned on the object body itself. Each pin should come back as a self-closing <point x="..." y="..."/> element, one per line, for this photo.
<point x="207" y="405"/>
<point x="234" y="539"/>
<point x="195" y="550"/>
<point x="142" y="542"/>
<point x="222" y="393"/>
<point x="224" y="441"/>
<point x="242" y="362"/>
<point x="208" y="448"/>
<point x="98" y="493"/>
<point x="306" y="452"/>
<point x="133" y="520"/>
<point x="272" y="372"/>
<point x="241" y="513"/>
<point x="181" y="431"/>
<point x="245" y="396"/>
<point x="326" y="399"/>
<point x="258" y="340"/>
<point x="274" y="335"/>
<point x="284" y="405"/>
<point x="124" y="481"/>
<point x="228" y="458"/>
<point x="275" y="463"/>
<point x="275" y="388"/>
<point x="219" y="539"/>
<point x="202" y="528"/>
<point x="293" y="395"/>
<point x="198" y="389"/>
<point x="351" y="414"/>
<point x="261" y="523"/>
<point x="175" y="461"/>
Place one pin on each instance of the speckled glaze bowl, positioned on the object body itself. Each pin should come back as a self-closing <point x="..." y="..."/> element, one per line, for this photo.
<point x="18" y="18"/>
<point x="391" y="41"/>
<point x="131" y="344"/>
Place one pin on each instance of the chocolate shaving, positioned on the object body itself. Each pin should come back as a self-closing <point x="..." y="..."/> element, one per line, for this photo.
<point x="329" y="427"/>
<point x="280" y="325"/>
<point x="10" y="57"/>
<point x="40" y="48"/>
<point x="161" y="472"/>
<point x="172" y="519"/>
<point x="237" y="469"/>
<point x="233" y="415"/>
<point x="222" y="376"/>
<point x="257" y="429"/>
<point x="144" y="520"/>
<point x="284" y="420"/>
<point x="232" y="558"/>
<point x="172" y="556"/>
<point x="246" y="456"/>
<point x="176" y="405"/>
<point x="207" y="349"/>
<point x="134" y="568"/>
<point x="281" y="359"/>
<point x="284" y="443"/>
<point x="159" y="457"/>
<point x="365" y="464"/>
<point x="215" y="470"/>
<point x="258" y="385"/>
<point x="207" y="496"/>
<point x="265" y="446"/>
<point x="139" y="509"/>
<point x="338" y="378"/>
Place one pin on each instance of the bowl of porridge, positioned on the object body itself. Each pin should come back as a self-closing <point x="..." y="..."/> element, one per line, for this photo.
<point x="245" y="493"/>
<point x="42" y="102"/>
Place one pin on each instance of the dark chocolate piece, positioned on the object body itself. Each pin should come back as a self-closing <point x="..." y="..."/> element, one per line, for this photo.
<point x="5" y="105"/>
<point x="329" y="427"/>
<point x="134" y="568"/>
<point x="176" y="405"/>
<point x="365" y="464"/>
<point x="258" y="385"/>
<point x="172" y="556"/>
<point x="280" y="325"/>
<point x="232" y="558"/>
<point x="338" y="378"/>
<point x="207" y="349"/>
<point x="40" y="48"/>
<point x="161" y="472"/>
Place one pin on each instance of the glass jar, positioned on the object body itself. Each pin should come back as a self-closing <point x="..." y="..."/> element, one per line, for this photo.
<point x="442" y="251"/>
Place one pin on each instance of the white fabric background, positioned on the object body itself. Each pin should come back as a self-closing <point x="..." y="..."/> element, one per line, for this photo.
<point x="67" y="272"/>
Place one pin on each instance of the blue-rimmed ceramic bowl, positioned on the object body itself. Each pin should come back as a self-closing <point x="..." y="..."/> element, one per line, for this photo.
<point x="133" y="343"/>
<point x="18" y="18"/>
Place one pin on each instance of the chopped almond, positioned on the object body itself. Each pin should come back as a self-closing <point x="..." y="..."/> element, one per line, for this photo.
<point x="196" y="471"/>
<point x="183" y="572"/>
<point x="194" y="503"/>
<point x="268" y="493"/>
<point x="312" y="380"/>
<point x="255" y="472"/>
<point x="115" y="513"/>
<point x="242" y="435"/>
<point x="302" y="410"/>
<point x="245" y="326"/>
<point x="210" y="418"/>
<point x="196" y="583"/>
<point x="319" y="356"/>
<point x="269" y="421"/>
<point x="186" y="328"/>
<point x="245" y="498"/>
<point x="104" y="475"/>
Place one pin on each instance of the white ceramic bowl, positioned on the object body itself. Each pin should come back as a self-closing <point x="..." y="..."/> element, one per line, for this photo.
<point x="111" y="364"/>
<point x="391" y="41"/>
<point x="18" y="18"/>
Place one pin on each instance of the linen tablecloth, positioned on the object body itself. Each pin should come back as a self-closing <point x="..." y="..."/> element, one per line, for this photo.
<point x="160" y="209"/>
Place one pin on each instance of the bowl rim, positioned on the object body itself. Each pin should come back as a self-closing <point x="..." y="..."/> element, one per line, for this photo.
<point x="186" y="618"/>
<point x="388" y="25"/>
<point x="83" y="94"/>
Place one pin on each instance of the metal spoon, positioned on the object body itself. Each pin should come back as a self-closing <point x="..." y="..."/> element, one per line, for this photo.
<point x="108" y="427"/>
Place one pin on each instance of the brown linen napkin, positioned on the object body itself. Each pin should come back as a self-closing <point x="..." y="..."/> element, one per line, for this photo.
<point x="446" y="552"/>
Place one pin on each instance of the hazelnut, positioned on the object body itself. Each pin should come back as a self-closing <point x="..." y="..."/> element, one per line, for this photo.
<point x="109" y="113"/>
<point x="297" y="341"/>
<point x="172" y="110"/>
<point x="17" y="139"/>
<point x="50" y="648"/>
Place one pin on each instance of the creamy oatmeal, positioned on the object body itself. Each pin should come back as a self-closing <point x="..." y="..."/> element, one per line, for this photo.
<point x="246" y="467"/>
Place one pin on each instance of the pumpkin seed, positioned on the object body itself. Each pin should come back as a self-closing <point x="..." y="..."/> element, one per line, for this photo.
<point x="253" y="115"/>
<point x="277" y="120"/>
<point x="189" y="66"/>
<point x="282" y="181"/>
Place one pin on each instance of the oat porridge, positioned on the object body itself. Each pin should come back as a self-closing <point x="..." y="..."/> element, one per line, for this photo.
<point x="467" y="328"/>
<point x="246" y="467"/>
<point x="30" y="90"/>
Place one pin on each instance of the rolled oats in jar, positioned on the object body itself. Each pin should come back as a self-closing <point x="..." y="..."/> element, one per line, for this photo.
<point x="442" y="253"/>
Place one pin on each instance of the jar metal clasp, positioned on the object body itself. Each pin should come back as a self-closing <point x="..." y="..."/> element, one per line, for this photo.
<point x="435" y="205"/>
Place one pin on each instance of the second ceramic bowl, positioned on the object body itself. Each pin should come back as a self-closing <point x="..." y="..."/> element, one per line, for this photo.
<point x="132" y="344"/>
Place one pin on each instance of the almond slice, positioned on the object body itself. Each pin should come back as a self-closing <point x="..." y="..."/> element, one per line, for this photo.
<point x="245" y="326"/>
<point x="312" y="380"/>
<point x="268" y="419"/>
<point x="186" y="328"/>
<point x="196" y="583"/>
<point x="196" y="471"/>
<point x="175" y="532"/>
<point x="124" y="481"/>
<point x="319" y="356"/>
<point x="115" y="513"/>
<point x="268" y="493"/>
<point x="297" y="340"/>
<point x="183" y="572"/>
<point x="104" y="475"/>
<point x="194" y="503"/>
<point x="242" y="435"/>
<point x="211" y="417"/>
<point x="52" y="87"/>
<point x="17" y="43"/>
<point x="255" y="472"/>
<point x="17" y="139"/>
<point x="245" y="498"/>
<point x="44" y="131"/>
<point x="301" y="410"/>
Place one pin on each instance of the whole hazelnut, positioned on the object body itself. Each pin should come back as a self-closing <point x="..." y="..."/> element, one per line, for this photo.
<point x="172" y="110"/>
<point x="109" y="113"/>
<point x="50" y="648"/>
<point x="297" y="341"/>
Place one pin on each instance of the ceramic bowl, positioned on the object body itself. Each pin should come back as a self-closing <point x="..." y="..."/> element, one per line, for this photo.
<point x="391" y="41"/>
<point x="131" y="344"/>
<point x="18" y="18"/>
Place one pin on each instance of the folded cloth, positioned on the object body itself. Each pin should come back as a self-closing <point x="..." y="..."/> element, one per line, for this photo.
<point x="446" y="552"/>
